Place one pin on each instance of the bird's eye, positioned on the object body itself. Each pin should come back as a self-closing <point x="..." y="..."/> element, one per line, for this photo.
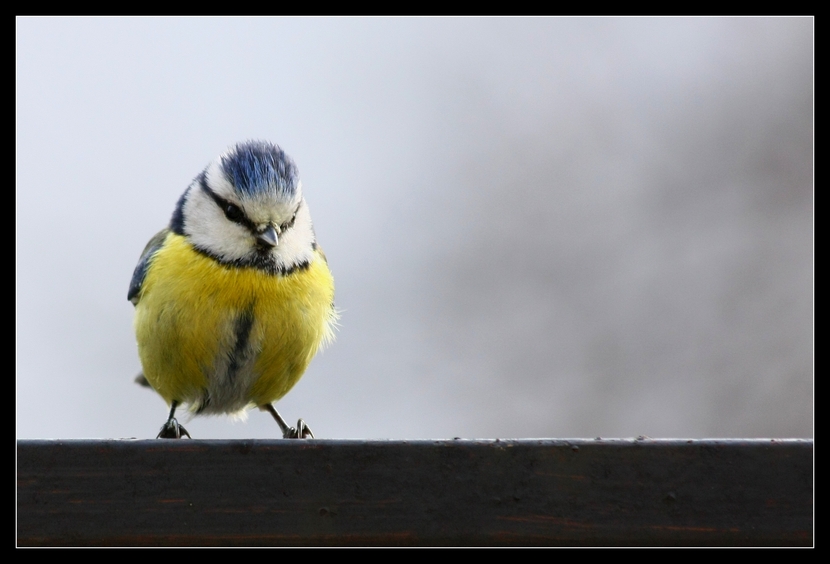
<point x="233" y="212"/>
<point x="289" y="223"/>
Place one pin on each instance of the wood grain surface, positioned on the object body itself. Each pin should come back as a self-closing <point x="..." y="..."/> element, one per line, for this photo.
<point x="636" y="492"/>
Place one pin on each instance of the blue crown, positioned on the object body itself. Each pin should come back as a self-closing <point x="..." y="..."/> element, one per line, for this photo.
<point x="258" y="166"/>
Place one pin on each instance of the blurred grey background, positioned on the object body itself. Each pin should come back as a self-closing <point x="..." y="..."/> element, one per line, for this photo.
<point x="538" y="227"/>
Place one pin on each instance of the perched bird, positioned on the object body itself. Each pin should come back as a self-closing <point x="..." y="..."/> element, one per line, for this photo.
<point x="234" y="298"/>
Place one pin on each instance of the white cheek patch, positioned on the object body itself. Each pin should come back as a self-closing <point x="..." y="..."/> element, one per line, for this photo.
<point x="295" y="243"/>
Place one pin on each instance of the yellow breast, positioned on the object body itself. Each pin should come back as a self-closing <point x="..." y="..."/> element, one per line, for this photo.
<point x="222" y="337"/>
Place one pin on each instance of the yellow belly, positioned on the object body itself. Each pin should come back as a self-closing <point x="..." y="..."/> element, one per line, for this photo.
<point x="220" y="337"/>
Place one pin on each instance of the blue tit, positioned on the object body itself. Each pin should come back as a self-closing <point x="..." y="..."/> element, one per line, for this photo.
<point x="234" y="298"/>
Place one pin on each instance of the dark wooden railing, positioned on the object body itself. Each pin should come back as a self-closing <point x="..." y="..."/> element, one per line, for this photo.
<point x="639" y="492"/>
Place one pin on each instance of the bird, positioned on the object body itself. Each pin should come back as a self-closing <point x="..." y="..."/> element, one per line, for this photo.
<point x="234" y="297"/>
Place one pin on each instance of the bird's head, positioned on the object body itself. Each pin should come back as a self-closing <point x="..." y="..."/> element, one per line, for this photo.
<point x="247" y="208"/>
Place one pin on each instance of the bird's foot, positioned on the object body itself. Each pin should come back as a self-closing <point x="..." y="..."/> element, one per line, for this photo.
<point x="301" y="431"/>
<point x="172" y="430"/>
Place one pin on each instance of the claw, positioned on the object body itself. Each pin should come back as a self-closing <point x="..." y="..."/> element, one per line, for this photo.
<point x="301" y="431"/>
<point x="171" y="429"/>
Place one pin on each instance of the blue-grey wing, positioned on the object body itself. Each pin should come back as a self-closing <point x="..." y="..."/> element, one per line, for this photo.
<point x="143" y="263"/>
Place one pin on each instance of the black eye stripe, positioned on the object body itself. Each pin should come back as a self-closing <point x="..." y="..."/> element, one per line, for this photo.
<point x="237" y="214"/>
<point x="232" y="211"/>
